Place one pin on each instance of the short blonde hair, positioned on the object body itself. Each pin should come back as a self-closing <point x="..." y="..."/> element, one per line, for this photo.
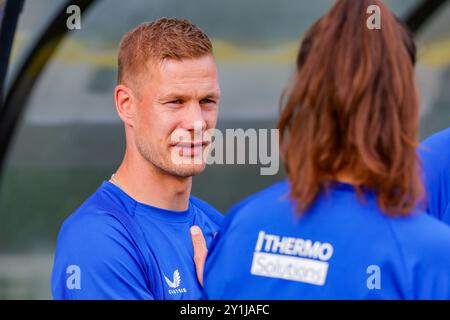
<point x="165" y="38"/>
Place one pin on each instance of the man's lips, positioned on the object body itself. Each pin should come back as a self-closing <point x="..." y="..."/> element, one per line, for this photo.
<point x="191" y="144"/>
<point x="190" y="148"/>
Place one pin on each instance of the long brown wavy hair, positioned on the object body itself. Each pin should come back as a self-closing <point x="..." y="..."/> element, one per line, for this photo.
<point x="353" y="109"/>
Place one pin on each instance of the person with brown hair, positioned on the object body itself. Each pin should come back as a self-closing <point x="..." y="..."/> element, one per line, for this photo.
<point x="132" y="238"/>
<point x="346" y="222"/>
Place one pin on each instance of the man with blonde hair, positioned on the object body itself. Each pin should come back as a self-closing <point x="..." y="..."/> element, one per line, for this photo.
<point x="132" y="238"/>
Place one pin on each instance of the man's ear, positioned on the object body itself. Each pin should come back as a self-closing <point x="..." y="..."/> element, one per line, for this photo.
<point x="123" y="97"/>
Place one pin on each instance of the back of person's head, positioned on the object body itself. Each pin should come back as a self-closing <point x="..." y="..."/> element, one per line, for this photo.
<point x="353" y="109"/>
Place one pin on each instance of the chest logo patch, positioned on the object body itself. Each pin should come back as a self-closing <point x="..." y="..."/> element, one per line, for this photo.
<point x="174" y="283"/>
<point x="293" y="259"/>
<point x="176" y="280"/>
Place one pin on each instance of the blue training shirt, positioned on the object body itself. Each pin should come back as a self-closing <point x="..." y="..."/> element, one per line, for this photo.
<point x="435" y="155"/>
<point x="114" y="247"/>
<point x="343" y="247"/>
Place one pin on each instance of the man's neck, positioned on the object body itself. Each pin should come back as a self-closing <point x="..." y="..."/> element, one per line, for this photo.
<point x="150" y="185"/>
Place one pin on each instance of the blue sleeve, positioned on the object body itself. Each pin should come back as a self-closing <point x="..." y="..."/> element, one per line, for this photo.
<point x="446" y="216"/>
<point x="432" y="275"/>
<point x="433" y="283"/>
<point x="96" y="259"/>
<point x="435" y="156"/>
<point x="426" y="255"/>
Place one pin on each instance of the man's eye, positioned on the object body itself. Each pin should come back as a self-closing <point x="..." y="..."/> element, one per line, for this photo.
<point x="178" y="101"/>
<point x="205" y="101"/>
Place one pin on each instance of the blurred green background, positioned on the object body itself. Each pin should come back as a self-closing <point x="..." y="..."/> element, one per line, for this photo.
<point x="70" y="138"/>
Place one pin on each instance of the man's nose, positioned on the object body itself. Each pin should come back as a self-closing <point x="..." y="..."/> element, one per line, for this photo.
<point x="193" y="119"/>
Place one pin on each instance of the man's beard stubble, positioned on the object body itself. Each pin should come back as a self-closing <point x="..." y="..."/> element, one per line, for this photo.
<point x="167" y="166"/>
